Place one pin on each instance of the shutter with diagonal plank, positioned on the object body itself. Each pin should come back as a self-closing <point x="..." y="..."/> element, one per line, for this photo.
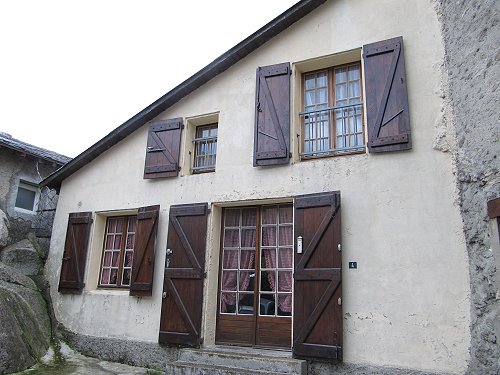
<point x="386" y="96"/>
<point x="75" y="252"/>
<point x="272" y="115"/>
<point x="163" y="148"/>
<point x="141" y="282"/>
<point x="317" y="321"/>
<point x="181" y="310"/>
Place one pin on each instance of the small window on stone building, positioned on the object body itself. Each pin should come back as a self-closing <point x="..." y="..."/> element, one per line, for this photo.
<point x="27" y="196"/>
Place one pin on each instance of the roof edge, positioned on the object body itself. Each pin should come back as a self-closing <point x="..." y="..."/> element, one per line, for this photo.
<point x="219" y="65"/>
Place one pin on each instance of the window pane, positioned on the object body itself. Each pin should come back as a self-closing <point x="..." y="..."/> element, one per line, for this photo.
<point x="310" y="81"/>
<point x="246" y="280"/>
<point x="249" y="217"/>
<point x="310" y="98"/>
<point x="266" y="304"/>
<point x="126" y="277"/>
<point x="354" y="89"/>
<point x="269" y="236"/>
<point x="105" y="276"/>
<point x="353" y="72"/>
<point x="321" y="80"/>
<point x="127" y="260"/>
<point x="114" y="260"/>
<point x="25" y="198"/>
<point x="340" y="92"/>
<point x="322" y="96"/>
<point x="285" y="281"/>
<point x="286" y="235"/>
<point x="229" y="280"/>
<point x="113" y="277"/>
<point x="340" y="75"/>
<point x="269" y="214"/>
<point x="285" y="258"/>
<point x="232" y="218"/>
<point x="286" y="214"/>
<point x="268" y="258"/>
<point x="230" y="260"/>
<point x="232" y="238"/>
<point x="285" y="304"/>
<point x="107" y="258"/>
<point x="228" y="303"/>
<point x="247" y="259"/>
<point x="245" y="305"/>
<point x="248" y="238"/>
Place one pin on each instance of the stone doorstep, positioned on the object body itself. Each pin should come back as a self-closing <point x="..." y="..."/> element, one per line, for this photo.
<point x="222" y="360"/>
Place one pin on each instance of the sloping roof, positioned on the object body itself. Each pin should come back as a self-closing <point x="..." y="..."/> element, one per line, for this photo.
<point x="6" y="140"/>
<point x="216" y="67"/>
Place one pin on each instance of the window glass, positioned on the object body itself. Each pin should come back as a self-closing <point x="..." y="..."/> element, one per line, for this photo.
<point x="333" y="111"/>
<point x="26" y="197"/>
<point x="118" y="251"/>
<point x="205" y="148"/>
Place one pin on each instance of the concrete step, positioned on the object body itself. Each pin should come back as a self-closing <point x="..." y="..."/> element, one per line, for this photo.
<point x="235" y="361"/>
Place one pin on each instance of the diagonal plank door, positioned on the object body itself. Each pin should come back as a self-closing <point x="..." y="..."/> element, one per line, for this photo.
<point x="317" y="324"/>
<point x="181" y="314"/>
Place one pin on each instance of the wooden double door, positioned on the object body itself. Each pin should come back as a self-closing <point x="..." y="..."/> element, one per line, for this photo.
<point x="280" y="266"/>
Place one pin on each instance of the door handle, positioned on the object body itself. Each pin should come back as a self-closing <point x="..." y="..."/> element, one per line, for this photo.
<point x="169" y="252"/>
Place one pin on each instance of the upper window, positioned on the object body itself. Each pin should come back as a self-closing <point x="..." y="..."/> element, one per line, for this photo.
<point x="205" y="148"/>
<point x="118" y="251"/>
<point x="26" y="197"/>
<point x="333" y="111"/>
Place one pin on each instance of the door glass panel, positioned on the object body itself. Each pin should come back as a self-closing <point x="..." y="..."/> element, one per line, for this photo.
<point x="266" y="304"/>
<point x="269" y="214"/>
<point x="245" y="305"/>
<point x="230" y="260"/>
<point x="228" y="303"/>
<point x="286" y="233"/>
<point x="285" y="257"/>
<point x="229" y="278"/>
<point x="268" y="258"/>
<point x="232" y="238"/>
<point x="269" y="236"/>
<point x="247" y="259"/>
<point x="248" y="238"/>
<point x="285" y="304"/>
<point x="232" y="217"/>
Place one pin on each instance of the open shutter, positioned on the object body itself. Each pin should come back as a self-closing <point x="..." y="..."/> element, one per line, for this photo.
<point x="181" y="309"/>
<point x="141" y="283"/>
<point x="164" y="144"/>
<point x="386" y="96"/>
<point x="272" y="115"/>
<point x="75" y="252"/>
<point x="317" y="320"/>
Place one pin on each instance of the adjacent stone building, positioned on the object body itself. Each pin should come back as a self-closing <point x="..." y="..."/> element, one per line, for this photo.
<point x="28" y="207"/>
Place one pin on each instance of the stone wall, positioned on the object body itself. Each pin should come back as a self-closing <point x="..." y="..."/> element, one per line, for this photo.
<point x="13" y="168"/>
<point x="471" y="34"/>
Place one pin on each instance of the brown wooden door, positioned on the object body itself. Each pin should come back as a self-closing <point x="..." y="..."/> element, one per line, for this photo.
<point x="317" y="324"/>
<point x="255" y="281"/>
<point x="181" y="310"/>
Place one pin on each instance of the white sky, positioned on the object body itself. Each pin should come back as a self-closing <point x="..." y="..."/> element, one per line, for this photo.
<point x="73" y="70"/>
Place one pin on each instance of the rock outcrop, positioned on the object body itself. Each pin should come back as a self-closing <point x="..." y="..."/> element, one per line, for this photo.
<point x="4" y="229"/>
<point x="25" y="334"/>
<point x="23" y="256"/>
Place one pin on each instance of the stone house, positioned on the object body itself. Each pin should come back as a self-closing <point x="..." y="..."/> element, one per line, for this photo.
<point x="302" y="192"/>
<point x="28" y="207"/>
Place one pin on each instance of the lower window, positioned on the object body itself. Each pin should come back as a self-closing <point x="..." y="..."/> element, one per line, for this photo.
<point x="118" y="251"/>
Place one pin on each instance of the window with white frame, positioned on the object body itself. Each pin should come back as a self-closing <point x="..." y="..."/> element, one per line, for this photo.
<point x="27" y="196"/>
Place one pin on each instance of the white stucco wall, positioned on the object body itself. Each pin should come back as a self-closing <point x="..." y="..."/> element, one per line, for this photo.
<point x="407" y="304"/>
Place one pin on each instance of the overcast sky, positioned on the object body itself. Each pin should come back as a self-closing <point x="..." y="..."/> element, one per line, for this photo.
<point x="72" y="71"/>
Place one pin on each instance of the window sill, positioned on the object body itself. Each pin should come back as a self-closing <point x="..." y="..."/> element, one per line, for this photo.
<point x="331" y="154"/>
<point x="200" y="171"/>
<point x="110" y="291"/>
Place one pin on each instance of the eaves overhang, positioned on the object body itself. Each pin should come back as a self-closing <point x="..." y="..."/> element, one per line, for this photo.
<point x="219" y="65"/>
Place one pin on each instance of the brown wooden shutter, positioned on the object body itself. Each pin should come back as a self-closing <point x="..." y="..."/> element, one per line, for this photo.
<point x="272" y="115"/>
<point x="386" y="96"/>
<point x="181" y="309"/>
<point x="75" y="252"/>
<point x="317" y="319"/>
<point x="141" y="282"/>
<point x="163" y="149"/>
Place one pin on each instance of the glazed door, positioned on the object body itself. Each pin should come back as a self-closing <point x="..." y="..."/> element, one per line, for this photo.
<point x="255" y="280"/>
